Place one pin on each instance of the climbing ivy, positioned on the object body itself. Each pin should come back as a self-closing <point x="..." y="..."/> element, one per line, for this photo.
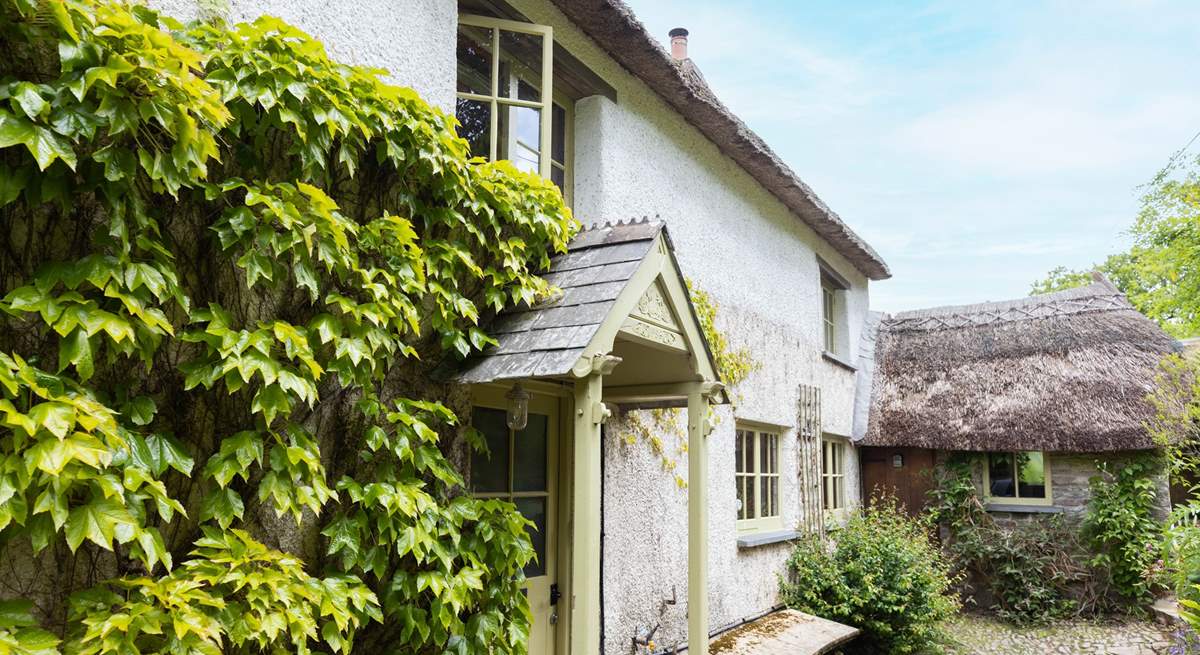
<point x="733" y="365"/>
<point x="232" y="264"/>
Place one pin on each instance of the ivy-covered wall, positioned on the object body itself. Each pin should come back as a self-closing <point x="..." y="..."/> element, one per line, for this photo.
<point x="232" y="264"/>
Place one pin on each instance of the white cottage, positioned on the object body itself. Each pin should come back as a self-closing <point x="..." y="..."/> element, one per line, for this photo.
<point x="631" y="560"/>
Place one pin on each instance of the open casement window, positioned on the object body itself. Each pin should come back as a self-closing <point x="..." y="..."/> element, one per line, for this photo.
<point x="1020" y="478"/>
<point x="833" y="474"/>
<point x="757" y="476"/>
<point x="506" y="105"/>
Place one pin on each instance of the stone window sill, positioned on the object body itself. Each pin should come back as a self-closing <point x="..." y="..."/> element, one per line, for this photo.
<point x="1023" y="509"/>
<point x="756" y="539"/>
<point x="836" y="359"/>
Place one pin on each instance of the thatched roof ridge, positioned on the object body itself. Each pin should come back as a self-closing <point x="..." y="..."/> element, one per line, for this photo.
<point x="1066" y="371"/>
<point x="613" y="26"/>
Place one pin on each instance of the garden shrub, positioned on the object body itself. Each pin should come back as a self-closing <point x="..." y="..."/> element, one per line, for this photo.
<point x="1123" y="535"/>
<point x="881" y="573"/>
<point x="231" y="265"/>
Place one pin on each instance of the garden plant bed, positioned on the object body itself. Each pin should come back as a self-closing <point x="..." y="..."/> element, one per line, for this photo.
<point x="981" y="634"/>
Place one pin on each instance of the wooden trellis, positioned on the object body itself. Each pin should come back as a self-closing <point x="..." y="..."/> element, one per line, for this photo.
<point x="808" y="453"/>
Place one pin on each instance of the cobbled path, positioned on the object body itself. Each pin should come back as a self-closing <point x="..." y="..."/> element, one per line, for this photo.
<point x="979" y="635"/>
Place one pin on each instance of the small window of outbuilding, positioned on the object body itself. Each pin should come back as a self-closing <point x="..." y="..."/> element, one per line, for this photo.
<point x="1017" y="478"/>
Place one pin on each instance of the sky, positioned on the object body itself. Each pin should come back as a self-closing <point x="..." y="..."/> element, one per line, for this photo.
<point x="975" y="145"/>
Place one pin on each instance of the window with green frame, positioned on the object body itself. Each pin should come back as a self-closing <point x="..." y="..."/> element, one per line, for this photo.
<point x="506" y="105"/>
<point x="833" y="474"/>
<point x="833" y="318"/>
<point x="1017" y="478"/>
<point x="757" y="477"/>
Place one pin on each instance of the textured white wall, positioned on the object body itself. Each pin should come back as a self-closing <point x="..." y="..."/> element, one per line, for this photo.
<point x="637" y="157"/>
<point x="412" y="39"/>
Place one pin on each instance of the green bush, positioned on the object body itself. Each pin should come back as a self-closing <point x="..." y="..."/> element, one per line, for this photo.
<point x="881" y="573"/>
<point x="1121" y="529"/>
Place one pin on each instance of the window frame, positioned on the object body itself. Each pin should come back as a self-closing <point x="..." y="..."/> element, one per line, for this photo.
<point x="834" y="288"/>
<point x="1017" y="498"/>
<point x="545" y="105"/>
<point x="830" y="445"/>
<point x="759" y="523"/>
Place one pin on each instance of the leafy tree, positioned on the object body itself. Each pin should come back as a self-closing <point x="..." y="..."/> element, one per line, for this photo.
<point x="1161" y="272"/>
<point x="232" y="265"/>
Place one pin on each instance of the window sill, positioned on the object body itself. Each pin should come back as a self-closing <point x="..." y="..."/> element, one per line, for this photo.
<point x="1023" y="509"/>
<point x="835" y="359"/>
<point x="756" y="539"/>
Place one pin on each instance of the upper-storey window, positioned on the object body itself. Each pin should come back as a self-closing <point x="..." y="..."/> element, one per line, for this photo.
<point x="835" y="337"/>
<point x="506" y="105"/>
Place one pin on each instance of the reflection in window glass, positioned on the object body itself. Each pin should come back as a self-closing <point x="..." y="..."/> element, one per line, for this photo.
<point x="530" y="453"/>
<point x="520" y="66"/>
<point x="534" y="509"/>
<point x="1000" y="475"/>
<point x="475" y="124"/>
<point x="489" y="473"/>
<point x="474" y="60"/>
<point x="1032" y="475"/>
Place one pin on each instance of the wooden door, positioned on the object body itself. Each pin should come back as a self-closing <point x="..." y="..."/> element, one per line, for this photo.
<point x="905" y="473"/>
<point x="519" y="470"/>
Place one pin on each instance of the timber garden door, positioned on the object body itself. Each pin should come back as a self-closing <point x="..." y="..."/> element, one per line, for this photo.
<point x="519" y="470"/>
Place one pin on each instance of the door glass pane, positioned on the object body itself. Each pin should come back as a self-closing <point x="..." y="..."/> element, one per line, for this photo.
<point x="1000" y="475"/>
<point x="489" y="474"/>
<point x="474" y="60"/>
<point x="474" y="125"/>
<point x="530" y="455"/>
<point x="534" y="509"/>
<point x="521" y="65"/>
<point x="1032" y="468"/>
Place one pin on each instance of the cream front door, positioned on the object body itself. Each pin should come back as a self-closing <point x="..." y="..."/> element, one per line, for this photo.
<point x="519" y="469"/>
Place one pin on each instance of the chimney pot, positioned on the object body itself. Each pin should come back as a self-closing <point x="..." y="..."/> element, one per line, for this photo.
<point x="679" y="43"/>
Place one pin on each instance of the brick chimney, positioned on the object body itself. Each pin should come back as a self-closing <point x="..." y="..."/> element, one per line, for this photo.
<point x="679" y="44"/>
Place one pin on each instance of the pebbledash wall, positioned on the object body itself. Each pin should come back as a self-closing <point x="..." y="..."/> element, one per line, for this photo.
<point x="637" y="157"/>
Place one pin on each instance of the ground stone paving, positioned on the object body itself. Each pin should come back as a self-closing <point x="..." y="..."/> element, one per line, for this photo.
<point x="980" y="635"/>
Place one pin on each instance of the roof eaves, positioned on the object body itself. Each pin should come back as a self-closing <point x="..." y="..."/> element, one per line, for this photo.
<point x="612" y="24"/>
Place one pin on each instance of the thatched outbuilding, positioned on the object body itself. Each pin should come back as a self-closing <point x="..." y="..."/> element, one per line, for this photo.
<point x="1065" y="373"/>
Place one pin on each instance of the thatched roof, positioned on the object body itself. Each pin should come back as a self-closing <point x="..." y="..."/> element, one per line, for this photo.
<point x="1066" y="371"/>
<point x="613" y="26"/>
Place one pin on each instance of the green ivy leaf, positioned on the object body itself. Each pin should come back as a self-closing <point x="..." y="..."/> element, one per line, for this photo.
<point x="96" y="521"/>
<point x="223" y="505"/>
<point x="166" y="452"/>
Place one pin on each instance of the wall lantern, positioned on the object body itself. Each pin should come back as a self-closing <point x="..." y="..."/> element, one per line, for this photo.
<point x="518" y="407"/>
<point x="897" y="461"/>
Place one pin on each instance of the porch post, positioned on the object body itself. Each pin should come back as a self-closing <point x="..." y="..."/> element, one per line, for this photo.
<point x="589" y="412"/>
<point x="697" y="409"/>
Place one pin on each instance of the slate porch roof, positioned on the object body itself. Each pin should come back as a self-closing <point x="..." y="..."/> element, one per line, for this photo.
<point x="548" y="339"/>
